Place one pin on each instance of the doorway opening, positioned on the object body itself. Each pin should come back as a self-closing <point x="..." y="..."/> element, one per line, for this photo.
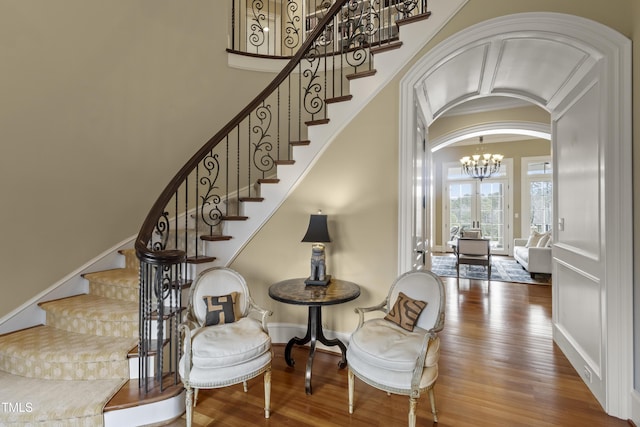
<point x="586" y="88"/>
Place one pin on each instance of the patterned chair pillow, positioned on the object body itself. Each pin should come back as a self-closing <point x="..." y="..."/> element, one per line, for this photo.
<point x="221" y="309"/>
<point x="405" y="312"/>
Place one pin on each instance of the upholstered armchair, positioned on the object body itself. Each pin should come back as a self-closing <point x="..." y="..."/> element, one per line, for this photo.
<point x="474" y="252"/>
<point x="398" y="353"/>
<point x="226" y="340"/>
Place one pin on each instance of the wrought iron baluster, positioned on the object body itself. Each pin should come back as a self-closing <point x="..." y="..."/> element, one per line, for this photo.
<point x="210" y="200"/>
<point x="262" y="158"/>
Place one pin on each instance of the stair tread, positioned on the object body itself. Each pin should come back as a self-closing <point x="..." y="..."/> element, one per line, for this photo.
<point x="131" y="395"/>
<point x="215" y="238"/>
<point x="318" y="121"/>
<point x="79" y="401"/>
<point x="94" y="307"/>
<point x="337" y="99"/>
<point x="412" y="19"/>
<point x="384" y="47"/>
<point x="50" y="353"/>
<point x="52" y="344"/>
<point x="361" y="74"/>
<point x="200" y="259"/>
<point x="117" y="277"/>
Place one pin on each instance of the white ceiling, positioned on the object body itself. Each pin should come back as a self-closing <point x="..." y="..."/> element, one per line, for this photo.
<point x="495" y="73"/>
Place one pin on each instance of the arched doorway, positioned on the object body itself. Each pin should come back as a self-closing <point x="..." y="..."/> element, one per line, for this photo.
<point x="579" y="71"/>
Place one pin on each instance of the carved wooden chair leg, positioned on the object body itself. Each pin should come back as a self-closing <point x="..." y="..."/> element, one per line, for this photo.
<point x="267" y="393"/>
<point x="189" y="405"/>
<point x="412" y="411"/>
<point x="351" y="389"/>
<point x="432" y="399"/>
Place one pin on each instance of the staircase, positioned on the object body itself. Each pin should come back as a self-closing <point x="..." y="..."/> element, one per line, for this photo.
<point x="65" y="371"/>
<point x="88" y="345"/>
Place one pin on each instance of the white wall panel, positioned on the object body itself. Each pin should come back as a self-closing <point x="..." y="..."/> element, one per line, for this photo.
<point x="578" y="277"/>
<point x="581" y="316"/>
<point x="578" y="170"/>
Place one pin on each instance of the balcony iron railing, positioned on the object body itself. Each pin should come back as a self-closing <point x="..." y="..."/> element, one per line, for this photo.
<point x="279" y="28"/>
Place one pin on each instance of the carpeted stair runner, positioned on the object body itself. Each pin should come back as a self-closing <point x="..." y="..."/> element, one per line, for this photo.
<point x="50" y="353"/>
<point x="92" y="314"/>
<point x="64" y="372"/>
<point x="61" y="403"/>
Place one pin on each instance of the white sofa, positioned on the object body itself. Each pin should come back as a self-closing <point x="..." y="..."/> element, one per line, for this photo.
<point x="533" y="259"/>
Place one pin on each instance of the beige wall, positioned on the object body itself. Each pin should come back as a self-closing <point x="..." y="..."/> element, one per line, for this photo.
<point x="448" y="124"/>
<point x="102" y="101"/>
<point x="365" y="226"/>
<point x="100" y="104"/>
<point x="355" y="184"/>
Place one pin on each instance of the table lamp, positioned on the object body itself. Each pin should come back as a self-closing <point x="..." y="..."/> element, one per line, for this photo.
<point x="318" y="234"/>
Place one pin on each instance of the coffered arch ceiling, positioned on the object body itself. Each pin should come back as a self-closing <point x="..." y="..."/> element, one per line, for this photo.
<point x="537" y="68"/>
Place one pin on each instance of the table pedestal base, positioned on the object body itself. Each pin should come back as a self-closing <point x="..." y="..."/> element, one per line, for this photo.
<point x="314" y="334"/>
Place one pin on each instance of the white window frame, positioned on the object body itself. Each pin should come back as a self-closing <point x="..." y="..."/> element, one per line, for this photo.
<point x="525" y="198"/>
<point x="508" y="215"/>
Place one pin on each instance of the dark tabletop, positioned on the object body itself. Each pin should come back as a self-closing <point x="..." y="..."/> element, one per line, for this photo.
<point x="294" y="291"/>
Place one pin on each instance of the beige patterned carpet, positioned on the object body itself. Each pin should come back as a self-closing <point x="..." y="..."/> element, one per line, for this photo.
<point x="34" y="402"/>
<point x="64" y="373"/>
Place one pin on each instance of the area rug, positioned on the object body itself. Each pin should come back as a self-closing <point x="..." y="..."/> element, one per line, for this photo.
<point x="503" y="269"/>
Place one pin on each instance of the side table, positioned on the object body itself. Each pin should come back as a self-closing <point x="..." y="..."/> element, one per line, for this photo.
<point x="294" y="291"/>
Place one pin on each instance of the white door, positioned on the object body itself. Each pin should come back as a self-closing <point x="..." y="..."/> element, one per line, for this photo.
<point x="420" y="239"/>
<point x="579" y="274"/>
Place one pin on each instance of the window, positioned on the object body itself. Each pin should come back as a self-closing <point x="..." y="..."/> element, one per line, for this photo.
<point x="537" y="194"/>
<point x="471" y="203"/>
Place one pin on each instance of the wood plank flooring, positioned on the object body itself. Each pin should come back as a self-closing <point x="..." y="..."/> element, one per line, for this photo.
<point x="498" y="367"/>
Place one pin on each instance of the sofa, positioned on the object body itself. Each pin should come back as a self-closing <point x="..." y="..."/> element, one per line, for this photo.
<point x="533" y="255"/>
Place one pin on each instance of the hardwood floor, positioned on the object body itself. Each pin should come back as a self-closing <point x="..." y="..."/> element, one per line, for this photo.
<point x="498" y="367"/>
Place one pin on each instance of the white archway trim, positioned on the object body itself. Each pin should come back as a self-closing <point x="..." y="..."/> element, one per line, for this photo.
<point x="615" y="51"/>
<point x="536" y="130"/>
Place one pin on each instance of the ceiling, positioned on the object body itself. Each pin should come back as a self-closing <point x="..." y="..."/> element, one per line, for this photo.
<point x="495" y="73"/>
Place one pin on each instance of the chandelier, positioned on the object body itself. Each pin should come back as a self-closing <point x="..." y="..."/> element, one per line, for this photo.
<point x="481" y="166"/>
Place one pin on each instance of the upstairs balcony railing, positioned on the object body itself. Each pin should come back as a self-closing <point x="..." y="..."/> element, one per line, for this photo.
<point x="278" y="28"/>
<point x="187" y="219"/>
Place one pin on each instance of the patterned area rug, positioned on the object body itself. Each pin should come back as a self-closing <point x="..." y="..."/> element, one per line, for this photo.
<point x="503" y="269"/>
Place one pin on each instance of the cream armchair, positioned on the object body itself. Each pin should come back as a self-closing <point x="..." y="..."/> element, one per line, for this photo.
<point x="474" y="252"/>
<point x="398" y="353"/>
<point x="224" y="342"/>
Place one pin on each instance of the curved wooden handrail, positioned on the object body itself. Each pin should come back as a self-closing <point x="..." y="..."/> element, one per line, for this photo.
<point x="146" y="231"/>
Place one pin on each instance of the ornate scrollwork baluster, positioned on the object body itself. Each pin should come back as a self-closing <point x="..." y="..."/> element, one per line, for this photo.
<point x="407" y="8"/>
<point x="312" y="101"/>
<point x="258" y="22"/>
<point x="162" y="229"/>
<point x="210" y="201"/>
<point x="357" y="27"/>
<point x="262" y="148"/>
<point x="292" y="25"/>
